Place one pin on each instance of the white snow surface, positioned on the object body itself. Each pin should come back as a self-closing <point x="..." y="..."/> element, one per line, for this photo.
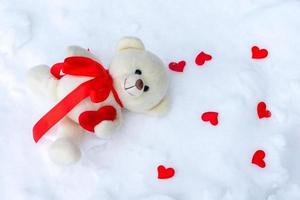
<point x="211" y="162"/>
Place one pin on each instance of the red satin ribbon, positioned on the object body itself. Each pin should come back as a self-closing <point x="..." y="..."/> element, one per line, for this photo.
<point x="98" y="89"/>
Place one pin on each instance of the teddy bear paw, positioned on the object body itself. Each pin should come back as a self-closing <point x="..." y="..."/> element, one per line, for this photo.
<point x="64" y="152"/>
<point x="105" y="129"/>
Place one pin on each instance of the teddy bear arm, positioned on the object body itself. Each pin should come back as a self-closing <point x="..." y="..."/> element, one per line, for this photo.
<point x="41" y="81"/>
<point x="160" y="109"/>
<point x="79" y="51"/>
<point x="107" y="128"/>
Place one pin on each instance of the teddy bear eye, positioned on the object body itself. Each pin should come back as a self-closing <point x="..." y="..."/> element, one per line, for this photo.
<point x="146" y="88"/>
<point x="139" y="72"/>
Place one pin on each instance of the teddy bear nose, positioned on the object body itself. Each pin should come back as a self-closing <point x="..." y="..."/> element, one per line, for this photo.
<point x="139" y="84"/>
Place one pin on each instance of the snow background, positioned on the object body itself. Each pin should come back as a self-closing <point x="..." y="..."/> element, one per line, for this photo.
<point x="211" y="163"/>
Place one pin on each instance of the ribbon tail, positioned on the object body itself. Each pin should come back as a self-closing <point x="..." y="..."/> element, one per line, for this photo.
<point x="60" y="110"/>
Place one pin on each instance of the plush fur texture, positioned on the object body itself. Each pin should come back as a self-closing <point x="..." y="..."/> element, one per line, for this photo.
<point x="139" y="78"/>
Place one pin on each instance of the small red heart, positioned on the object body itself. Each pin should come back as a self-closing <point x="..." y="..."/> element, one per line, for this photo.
<point x="177" y="67"/>
<point x="258" y="158"/>
<point x="89" y="119"/>
<point x="211" y="117"/>
<point x="165" y="173"/>
<point x="258" y="53"/>
<point x="202" y="57"/>
<point x="262" y="111"/>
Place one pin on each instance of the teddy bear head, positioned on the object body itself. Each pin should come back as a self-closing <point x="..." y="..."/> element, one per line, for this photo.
<point x="140" y="77"/>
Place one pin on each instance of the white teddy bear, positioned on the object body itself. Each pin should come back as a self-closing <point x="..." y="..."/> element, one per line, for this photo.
<point x="91" y="98"/>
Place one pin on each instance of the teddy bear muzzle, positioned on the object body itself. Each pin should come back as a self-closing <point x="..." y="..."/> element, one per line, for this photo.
<point x="134" y="85"/>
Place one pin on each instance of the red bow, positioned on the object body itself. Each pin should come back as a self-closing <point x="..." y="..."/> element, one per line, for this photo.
<point x="98" y="89"/>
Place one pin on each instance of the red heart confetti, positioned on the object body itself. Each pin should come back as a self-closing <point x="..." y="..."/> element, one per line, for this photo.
<point x="202" y="57"/>
<point x="177" y="67"/>
<point x="165" y="173"/>
<point x="258" y="158"/>
<point x="211" y="117"/>
<point x="262" y="111"/>
<point x="258" y="53"/>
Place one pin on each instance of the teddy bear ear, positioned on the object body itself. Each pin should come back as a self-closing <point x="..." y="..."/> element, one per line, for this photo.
<point x="130" y="43"/>
<point x="161" y="108"/>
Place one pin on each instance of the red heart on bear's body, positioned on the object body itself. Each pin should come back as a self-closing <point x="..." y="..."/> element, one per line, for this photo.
<point x="258" y="158"/>
<point x="89" y="119"/>
<point x="177" y="67"/>
<point x="258" y="53"/>
<point x="202" y="57"/>
<point x="262" y="111"/>
<point x="165" y="173"/>
<point x="211" y="117"/>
